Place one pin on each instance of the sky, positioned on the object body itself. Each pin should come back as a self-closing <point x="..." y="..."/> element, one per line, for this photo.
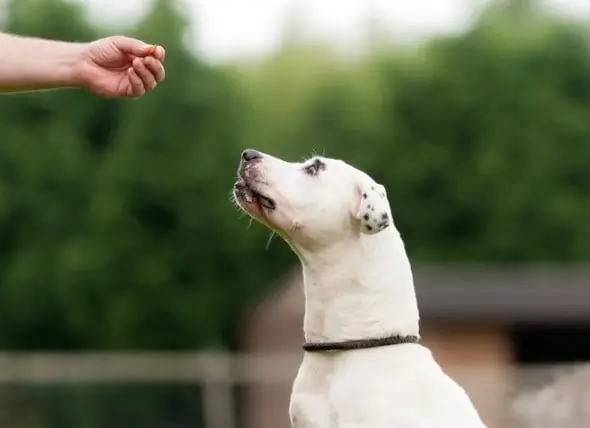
<point x="227" y="30"/>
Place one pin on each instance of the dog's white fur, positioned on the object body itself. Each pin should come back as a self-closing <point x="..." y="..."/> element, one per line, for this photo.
<point x="358" y="285"/>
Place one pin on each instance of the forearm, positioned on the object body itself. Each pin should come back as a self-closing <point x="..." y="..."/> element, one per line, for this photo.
<point x="32" y="64"/>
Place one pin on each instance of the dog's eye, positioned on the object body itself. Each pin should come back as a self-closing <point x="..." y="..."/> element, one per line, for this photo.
<point x="315" y="167"/>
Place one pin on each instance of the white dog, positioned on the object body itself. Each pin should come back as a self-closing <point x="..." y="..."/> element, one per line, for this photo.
<point x="363" y="367"/>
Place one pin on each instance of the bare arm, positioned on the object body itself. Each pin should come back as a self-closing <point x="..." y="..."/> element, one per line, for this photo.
<point x="115" y="66"/>
<point x="28" y="63"/>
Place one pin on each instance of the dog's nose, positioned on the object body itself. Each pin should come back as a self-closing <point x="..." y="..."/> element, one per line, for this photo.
<point x="250" y="155"/>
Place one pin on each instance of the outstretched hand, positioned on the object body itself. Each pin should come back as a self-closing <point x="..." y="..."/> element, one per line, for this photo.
<point x="121" y="66"/>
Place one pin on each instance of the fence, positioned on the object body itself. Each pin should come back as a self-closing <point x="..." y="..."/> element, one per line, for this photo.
<point x="216" y="373"/>
<point x="219" y="373"/>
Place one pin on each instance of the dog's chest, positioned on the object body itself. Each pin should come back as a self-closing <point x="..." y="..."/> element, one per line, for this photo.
<point x="310" y="406"/>
<point x="310" y="411"/>
<point x="381" y="388"/>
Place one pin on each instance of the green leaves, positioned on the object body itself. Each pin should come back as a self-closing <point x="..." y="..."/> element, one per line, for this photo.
<point x="482" y="139"/>
<point x="116" y="227"/>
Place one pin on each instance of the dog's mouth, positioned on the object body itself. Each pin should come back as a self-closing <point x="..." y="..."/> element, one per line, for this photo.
<point x="247" y="194"/>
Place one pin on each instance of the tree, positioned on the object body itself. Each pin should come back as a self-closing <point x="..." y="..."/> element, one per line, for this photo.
<point x="117" y="231"/>
<point x="468" y="134"/>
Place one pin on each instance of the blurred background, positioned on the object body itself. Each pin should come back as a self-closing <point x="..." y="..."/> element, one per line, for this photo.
<point x="133" y="293"/>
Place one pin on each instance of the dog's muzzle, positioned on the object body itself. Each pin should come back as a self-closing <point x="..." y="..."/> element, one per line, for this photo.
<point x="246" y="188"/>
<point x="247" y="193"/>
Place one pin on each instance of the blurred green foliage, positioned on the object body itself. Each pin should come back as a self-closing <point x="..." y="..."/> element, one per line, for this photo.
<point x="116" y="228"/>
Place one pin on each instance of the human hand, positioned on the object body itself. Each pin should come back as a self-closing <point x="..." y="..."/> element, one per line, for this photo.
<point x="119" y="66"/>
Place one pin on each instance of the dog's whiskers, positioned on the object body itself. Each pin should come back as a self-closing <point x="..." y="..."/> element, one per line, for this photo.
<point x="269" y="240"/>
<point x="315" y="153"/>
<point x="233" y="199"/>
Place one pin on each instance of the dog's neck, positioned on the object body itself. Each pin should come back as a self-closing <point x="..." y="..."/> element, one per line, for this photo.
<point x="359" y="289"/>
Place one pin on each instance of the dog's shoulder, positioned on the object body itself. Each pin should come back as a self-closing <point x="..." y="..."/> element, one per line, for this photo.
<point x="402" y="385"/>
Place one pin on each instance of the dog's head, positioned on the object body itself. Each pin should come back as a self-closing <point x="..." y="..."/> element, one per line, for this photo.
<point x="313" y="203"/>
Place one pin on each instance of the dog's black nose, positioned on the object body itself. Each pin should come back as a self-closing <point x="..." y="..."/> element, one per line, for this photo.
<point x="250" y="155"/>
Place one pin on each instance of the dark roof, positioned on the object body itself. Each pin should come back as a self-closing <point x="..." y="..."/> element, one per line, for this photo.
<point x="496" y="294"/>
<point x="504" y="294"/>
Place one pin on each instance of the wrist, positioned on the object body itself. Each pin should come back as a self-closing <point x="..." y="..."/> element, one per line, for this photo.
<point x="71" y="66"/>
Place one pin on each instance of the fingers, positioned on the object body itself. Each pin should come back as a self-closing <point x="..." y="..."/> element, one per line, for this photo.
<point x="147" y="69"/>
<point x="135" y="47"/>
<point x="148" y="79"/>
<point x="136" y="88"/>
<point x="131" y="46"/>
<point x="159" y="53"/>
<point x="156" y="68"/>
<point x="144" y="75"/>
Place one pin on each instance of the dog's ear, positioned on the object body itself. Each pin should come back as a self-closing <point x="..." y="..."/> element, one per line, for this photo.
<point x="373" y="210"/>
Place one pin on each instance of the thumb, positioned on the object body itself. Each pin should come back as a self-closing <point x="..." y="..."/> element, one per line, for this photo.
<point x="132" y="46"/>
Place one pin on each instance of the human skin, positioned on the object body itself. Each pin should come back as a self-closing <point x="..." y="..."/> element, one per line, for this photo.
<point x="113" y="67"/>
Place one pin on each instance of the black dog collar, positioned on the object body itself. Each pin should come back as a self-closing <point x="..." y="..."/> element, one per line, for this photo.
<point x="349" y="345"/>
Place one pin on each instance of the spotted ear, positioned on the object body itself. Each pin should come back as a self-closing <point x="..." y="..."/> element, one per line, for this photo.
<point x="374" y="212"/>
